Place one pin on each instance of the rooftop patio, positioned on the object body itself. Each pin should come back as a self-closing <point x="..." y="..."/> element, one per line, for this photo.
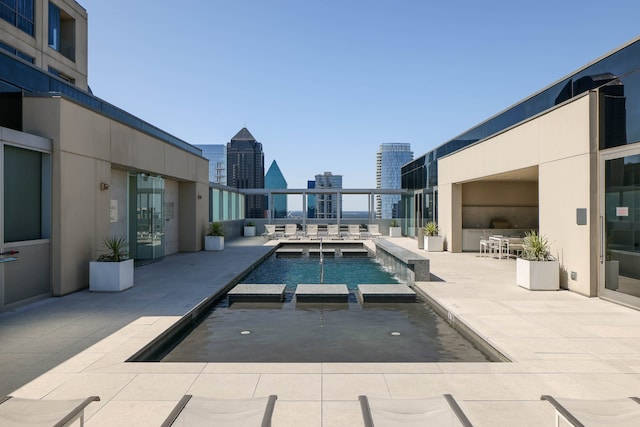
<point x="560" y="343"/>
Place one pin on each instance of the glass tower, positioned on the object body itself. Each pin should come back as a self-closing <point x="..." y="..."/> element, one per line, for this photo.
<point x="217" y="156"/>
<point x="275" y="180"/>
<point x="245" y="169"/>
<point x="326" y="205"/>
<point x="389" y="160"/>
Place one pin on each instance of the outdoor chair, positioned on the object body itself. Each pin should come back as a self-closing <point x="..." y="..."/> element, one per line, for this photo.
<point x="354" y="231"/>
<point x="374" y="230"/>
<point x="291" y="231"/>
<point x="17" y="411"/>
<point x="584" y="413"/>
<point x="333" y="231"/>
<point x="201" y="411"/>
<point x="429" y="411"/>
<point x="269" y="231"/>
<point x="312" y="231"/>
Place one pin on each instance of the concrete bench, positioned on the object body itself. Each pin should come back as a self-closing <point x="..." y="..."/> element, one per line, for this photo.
<point x="385" y="293"/>
<point x="257" y="293"/>
<point x="322" y="293"/>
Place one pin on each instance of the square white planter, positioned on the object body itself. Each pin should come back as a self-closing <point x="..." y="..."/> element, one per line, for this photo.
<point x="213" y="243"/>
<point x="538" y="275"/>
<point x="433" y="243"/>
<point x="249" y="230"/>
<point x="395" y="232"/>
<point x="110" y="276"/>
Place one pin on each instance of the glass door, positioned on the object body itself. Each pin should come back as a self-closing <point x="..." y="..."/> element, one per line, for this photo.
<point x="620" y="226"/>
<point x="148" y="217"/>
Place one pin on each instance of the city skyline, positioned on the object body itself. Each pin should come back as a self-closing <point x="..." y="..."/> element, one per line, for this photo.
<point x="325" y="100"/>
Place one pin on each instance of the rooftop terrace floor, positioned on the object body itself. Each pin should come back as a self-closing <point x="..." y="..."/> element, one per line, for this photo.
<point x="560" y="343"/>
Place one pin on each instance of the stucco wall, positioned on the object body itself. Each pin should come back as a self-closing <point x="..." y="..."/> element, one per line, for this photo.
<point x="87" y="149"/>
<point x="561" y="143"/>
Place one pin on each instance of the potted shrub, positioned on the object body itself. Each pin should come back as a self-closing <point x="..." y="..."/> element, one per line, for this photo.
<point x="432" y="241"/>
<point x="214" y="238"/>
<point x="394" y="230"/>
<point x="250" y="229"/>
<point x="112" y="271"/>
<point x="537" y="269"/>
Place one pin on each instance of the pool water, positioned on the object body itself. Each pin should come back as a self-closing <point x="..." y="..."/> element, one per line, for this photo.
<point x="253" y="332"/>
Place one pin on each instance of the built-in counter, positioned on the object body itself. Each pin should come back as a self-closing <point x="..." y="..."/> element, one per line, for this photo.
<point x="471" y="236"/>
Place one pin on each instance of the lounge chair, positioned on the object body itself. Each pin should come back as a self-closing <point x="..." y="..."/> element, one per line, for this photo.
<point x="312" y="231"/>
<point x="16" y="411"/>
<point x="333" y="231"/>
<point x="192" y="411"/>
<point x="608" y="412"/>
<point x="374" y="230"/>
<point x="354" y="231"/>
<point x="291" y="231"/>
<point x="429" y="411"/>
<point x="269" y="231"/>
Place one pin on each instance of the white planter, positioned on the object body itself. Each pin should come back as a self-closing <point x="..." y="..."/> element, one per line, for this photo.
<point x="395" y="232"/>
<point x="538" y="275"/>
<point x="110" y="276"/>
<point x="249" y="230"/>
<point x="213" y="243"/>
<point x="433" y="243"/>
<point x="611" y="273"/>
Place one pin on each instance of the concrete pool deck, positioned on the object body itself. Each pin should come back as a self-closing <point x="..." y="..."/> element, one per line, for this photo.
<point x="560" y="343"/>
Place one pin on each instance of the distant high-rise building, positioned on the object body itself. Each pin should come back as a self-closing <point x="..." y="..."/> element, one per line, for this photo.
<point x="389" y="160"/>
<point x="275" y="180"/>
<point x="245" y="169"/>
<point x="327" y="204"/>
<point x="311" y="200"/>
<point x="217" y="156"/>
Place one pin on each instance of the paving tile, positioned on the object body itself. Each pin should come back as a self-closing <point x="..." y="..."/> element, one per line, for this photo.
<point x="156" y="387"/>
<point x="291" y="386"/>
<point x="298" y="414"/>
<point x="131" y="414"/>
<point x="350" y="386"/>
<point x="226" y="386"/>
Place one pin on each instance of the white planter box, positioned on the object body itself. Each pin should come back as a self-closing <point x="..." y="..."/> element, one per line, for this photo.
<point x="538" y="275"/>
<point x="433" y="243"/>
<point x="213" y="243"/>
<point x="249" y="230"/>
<point x="110" y="276"/>
<point x="395" y="232"/>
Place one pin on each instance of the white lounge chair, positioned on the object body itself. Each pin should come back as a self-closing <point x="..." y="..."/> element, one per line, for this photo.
<point x="354" y="231"/>
<point x="16" y="411"/>
<point x="291" y="231"/>
<point x="312" y="231"/>
<point x="429" y="411"/>
<point x="269" y="231"/>
<point x="333" y="231"/>
<point x="608" y="412"/>
<point x="201" y="411"/>
<point x="374" y="230"/>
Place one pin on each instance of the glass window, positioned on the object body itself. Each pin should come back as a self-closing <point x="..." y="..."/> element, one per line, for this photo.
<point x="54" y="26"/>
<point x="62" y="32"/>
<point x="18" y="13"/>
<point x="22" y="194"/>
<point x="215" y="205"/>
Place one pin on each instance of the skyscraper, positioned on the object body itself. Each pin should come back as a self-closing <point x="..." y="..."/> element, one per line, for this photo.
<point x="217" y="156"/>
<point x="327" y="204"/>
<point x="389" y="160"/>
<point x="275" y="180"/>
<point x="245" y="169"/>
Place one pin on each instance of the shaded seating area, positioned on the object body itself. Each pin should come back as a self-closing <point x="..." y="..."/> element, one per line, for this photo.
<point x="16" y="411"/>
<point x="588" y="412"/>
<point x="499" y="246"/>
<point x="428" y="411"/>
<point x="200" y="411"/>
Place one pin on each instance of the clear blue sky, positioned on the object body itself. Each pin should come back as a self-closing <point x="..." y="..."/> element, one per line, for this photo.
<point x="322" y="83"/>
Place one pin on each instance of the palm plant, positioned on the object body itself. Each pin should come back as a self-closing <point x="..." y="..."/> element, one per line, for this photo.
<point x="215" y="229"/>
<point x="117" y="249"/>
<point x="535" y="247"/>
<point x="431" y="229"/>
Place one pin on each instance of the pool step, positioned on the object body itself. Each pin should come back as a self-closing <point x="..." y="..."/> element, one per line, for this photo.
<point x="326" y="252"/>
<point x="257" y="293"/>
<point x="289" y="252"/>
<point x="385" y="293"/>
<point x="322" y="293"/>
<point x="355" y="253"/>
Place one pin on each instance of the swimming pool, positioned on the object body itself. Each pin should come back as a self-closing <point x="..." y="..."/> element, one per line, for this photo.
<point x="322" y="332"/>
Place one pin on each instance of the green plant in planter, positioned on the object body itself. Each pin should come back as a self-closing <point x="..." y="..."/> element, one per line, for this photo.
<point x="117" y="249"/>
<point x="215" y="229"/>
<point x="536" y="247"/>
<point x="431" y="229"/>
<point x="250" y="224"/>
<point x="393" y="223"/>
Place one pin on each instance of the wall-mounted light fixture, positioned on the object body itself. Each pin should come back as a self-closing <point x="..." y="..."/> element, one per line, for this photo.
<point x="199" y="197"/>
<point x="104" y="186"/>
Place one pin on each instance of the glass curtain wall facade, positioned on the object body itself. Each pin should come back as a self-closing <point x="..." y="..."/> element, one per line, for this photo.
<point x="618" y="80"/>
<point x="245" y="169"/>
<point x="389" y="160"/>
<point x="225" y="204"/>
<point x="19" y="13"/>
<point x="328" y="206"/>
<point x="274" y="179"/>
<point x="217" y="156"/>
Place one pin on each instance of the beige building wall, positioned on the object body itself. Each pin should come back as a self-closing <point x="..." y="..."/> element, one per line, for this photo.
<point x="562" y="144"/>
<point x="38" y="45"/>
<point x="90" y="149"/>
